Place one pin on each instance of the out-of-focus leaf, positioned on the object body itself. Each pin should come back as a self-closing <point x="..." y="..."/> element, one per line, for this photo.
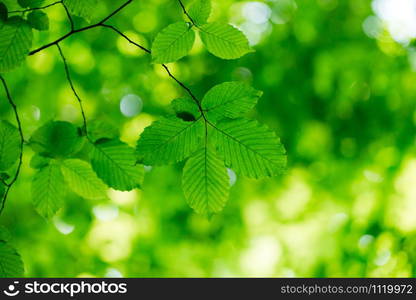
<point x="56" y="139"/>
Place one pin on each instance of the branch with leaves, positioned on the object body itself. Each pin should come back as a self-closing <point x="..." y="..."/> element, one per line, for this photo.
<point x="212" y="133"/>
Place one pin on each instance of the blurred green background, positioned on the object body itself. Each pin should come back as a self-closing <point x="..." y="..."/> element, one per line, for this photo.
<point x="339" y="88"/>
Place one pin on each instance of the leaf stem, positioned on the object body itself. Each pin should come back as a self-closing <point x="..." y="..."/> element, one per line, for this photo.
<point x="19" y="125"/>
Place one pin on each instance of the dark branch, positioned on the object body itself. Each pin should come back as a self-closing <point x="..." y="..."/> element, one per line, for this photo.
<point x="35" y="8"/>
<point x="80" y="29"/>
<point x="68" y="77"/>
<point x="19" y="126"/>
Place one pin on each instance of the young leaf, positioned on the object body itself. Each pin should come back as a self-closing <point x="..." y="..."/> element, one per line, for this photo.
<point x="30" y="3"/>
<point x="3" y="12"/>
<point x="48" y="190"/>
<point x="250" y="148"/>
<point x="56" y="139"/>
<point x="224" y="40"/>
<point x="200" y="11"/>
<point x="11" y="265"/>
<point x="38" y="20"/>
<point x="9" y="145"/>
<point x="15" y="41"/>
<point x="229" y="99"/>
<point x="169" y="140"/>
<point x="82" y="180"/>
<point x="115" y="163"/>
<point x="185" y="109"/>
<point x="81" y="8"/>
<point x="205" y="182"/>
<point x="173" y="43"/>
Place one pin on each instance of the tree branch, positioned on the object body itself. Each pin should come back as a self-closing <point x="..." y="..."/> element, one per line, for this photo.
<point x="74" y="31"/>
<point x="68" y="77"/>
<point x="19" y="125"/>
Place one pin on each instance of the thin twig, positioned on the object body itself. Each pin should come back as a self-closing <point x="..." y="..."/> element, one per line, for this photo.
<point x="36" y="8"/>
<point x="126" y="37"/>
<point x="4" y="182"/>
<point x="80" y="29"/>
<point x="68" y="77"/>
<point x="194" y="98"/>
<point x="186" y="13"/>
<point x="19" y="126"/>
<point x="71" y="21"/>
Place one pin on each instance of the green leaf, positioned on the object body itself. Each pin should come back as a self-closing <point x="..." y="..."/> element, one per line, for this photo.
<point x="82" y="180"/>
<point x="56" y="139"/>
<point x="38" y="20"/>
<point x="250" y="148"/>
<point x="229" y="99"/>
<point x="30" y="3"/>
<point x="11" y="4"/>
<point x="39" y="161"/>
<point x="3" y="12"/>
<point x="15" y="41"/>
<point x="173" y="43"/>
<point x="224" y="40"/>
<point x="185" y="109"/>
<point x="200" y="11"/>
<point x="169" y="140"/>
<point x="4" y="234"/>
<point x="205" y="182"/>
<point x="115" y="163"/>
<point x="81" y="8"/>
<point x="48" y="190"/>
<point x="11" y="265"/>
<point x="2" y="191"/>
<point x="9" y="145"/>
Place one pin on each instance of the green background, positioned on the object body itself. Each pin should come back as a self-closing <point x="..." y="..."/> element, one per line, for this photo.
<point x="338" y="90"/>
